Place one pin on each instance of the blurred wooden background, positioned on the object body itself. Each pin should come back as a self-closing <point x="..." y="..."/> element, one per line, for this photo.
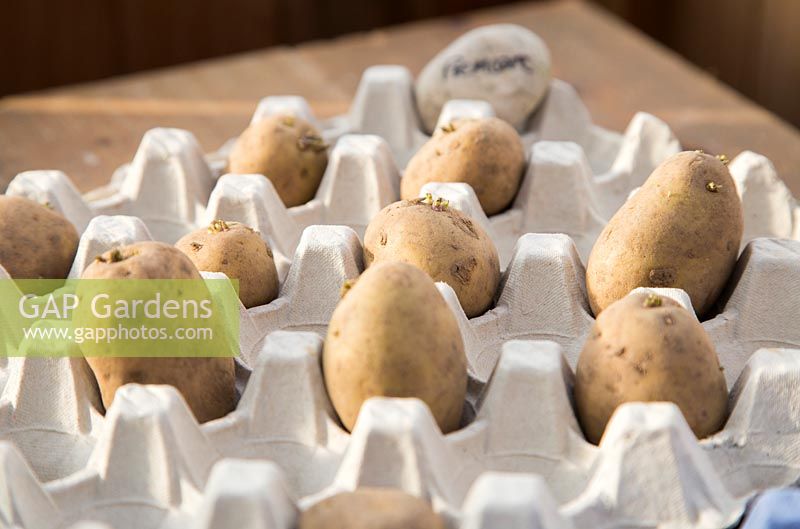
<point x="753" y="45"/>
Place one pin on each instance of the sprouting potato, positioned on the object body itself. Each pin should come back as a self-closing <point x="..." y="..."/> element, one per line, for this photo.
<point x="646" y="348"/>
<point x="443" y="242"/>
<point x="682" y="229"/>
<point x="206" y="383"/>
<point x="485" y="153"/>
<point x="239" y="252"/>
<point x="286" y="149"/>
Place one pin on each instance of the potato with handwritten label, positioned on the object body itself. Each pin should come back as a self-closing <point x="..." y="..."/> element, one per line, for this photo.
<point x="504" y="64"/>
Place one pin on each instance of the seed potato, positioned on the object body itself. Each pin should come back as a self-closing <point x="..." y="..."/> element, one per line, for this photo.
<point x="207" y="384"/>
<point x="240" y="253"/>
<point x="393" y="335"/>
<point x="37" y="242"/>
<point x="286" y="149"/>
<point x="485" y="153"/>
<point x="443" y="242"/>
<point x="371" y="508"/>
<point x="682" y="229"/>
<point x="648" y="348"/>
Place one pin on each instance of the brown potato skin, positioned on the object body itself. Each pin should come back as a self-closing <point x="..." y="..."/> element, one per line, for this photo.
<point x="371" y="508"/>
<point x="37" y="242"/>
<point x="485" y="153"/>
<point x="207" y="384"/>
<point x="641" y="353"/>
<point x="674" y="232"/>
<point x="286" y="149"/>
<point x="240" y="253"/>
<point x="393" y="335"/>
<point x="443" y="242"/>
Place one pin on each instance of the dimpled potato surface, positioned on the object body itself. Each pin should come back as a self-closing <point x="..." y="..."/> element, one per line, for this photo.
<point x="485" y="153"/>
<point x="682" y="229"/>
<point x="648" y="348"/>
<point x="443" y="242"/>
<point x="286" y="149"/>
<point x="240" y="253"/>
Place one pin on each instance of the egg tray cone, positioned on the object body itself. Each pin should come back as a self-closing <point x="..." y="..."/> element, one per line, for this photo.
<point x="520" y="459"/>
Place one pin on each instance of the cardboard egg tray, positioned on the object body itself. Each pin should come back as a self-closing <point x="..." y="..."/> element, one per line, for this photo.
<point x="147" y="463"/>
<point x="520" y="459"/>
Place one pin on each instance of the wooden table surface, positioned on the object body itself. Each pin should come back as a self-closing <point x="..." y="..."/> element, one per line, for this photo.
<point x="89" y="130"/>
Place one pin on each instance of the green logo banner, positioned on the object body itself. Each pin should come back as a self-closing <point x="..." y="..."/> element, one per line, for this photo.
<point x="119" y="317"/>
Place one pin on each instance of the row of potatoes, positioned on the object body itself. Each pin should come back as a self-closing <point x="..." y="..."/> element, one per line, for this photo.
<point x="393" y="334"/>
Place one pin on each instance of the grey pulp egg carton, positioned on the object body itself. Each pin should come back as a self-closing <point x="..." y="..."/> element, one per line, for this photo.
<point x="521" y="352"/>
<point x="147" y="463"/>
<point x="513" y="464"/>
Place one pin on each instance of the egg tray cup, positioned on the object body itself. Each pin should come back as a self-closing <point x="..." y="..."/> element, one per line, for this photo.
<point x="148" y="463"/>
